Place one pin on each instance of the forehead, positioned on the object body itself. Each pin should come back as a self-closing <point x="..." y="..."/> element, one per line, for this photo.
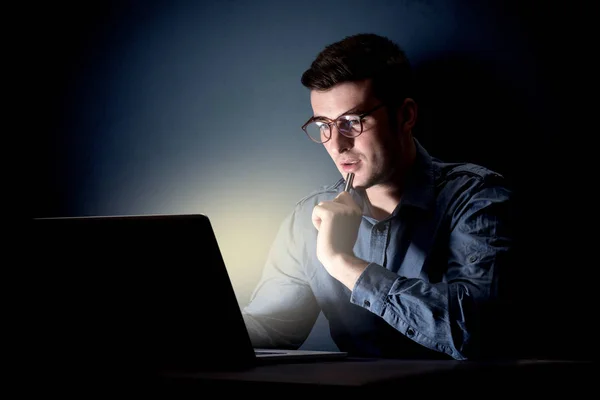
<point x="341" y="98"/>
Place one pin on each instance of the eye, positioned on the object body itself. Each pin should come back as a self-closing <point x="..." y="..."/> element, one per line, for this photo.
<point x="350" y="119"/>
<point x="322" y="125"/>
<point x="349" y="124"/>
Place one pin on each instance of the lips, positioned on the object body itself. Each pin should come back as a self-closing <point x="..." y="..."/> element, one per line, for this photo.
<point x="349" y="162"/>
<point x="349" y="165"/>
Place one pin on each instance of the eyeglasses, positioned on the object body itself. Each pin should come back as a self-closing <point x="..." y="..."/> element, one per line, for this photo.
<point x="350" y="125"/>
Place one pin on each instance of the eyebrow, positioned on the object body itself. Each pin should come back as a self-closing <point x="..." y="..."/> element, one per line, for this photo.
<point x="353" y="110"/>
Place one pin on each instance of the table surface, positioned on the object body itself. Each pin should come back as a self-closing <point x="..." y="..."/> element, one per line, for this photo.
<point x="356" y="373"/>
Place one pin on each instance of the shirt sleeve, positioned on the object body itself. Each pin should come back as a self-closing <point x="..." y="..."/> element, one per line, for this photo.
<point x="446" y="316"/>
<point x="282" y="309"/>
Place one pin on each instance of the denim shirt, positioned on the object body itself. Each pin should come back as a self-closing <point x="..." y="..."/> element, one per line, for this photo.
<point x="433" y="265"/>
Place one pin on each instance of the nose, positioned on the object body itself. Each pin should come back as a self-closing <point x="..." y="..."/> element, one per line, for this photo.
<point x="338" y="142"/>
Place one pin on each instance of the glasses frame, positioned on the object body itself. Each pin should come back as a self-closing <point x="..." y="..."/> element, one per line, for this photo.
<point x="334" y="122"/>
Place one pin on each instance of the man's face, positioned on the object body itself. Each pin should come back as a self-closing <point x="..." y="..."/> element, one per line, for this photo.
<point x="373" y="155"/>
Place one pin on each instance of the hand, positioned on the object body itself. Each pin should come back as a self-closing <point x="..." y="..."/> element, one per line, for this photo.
<point x="337" y="222"/>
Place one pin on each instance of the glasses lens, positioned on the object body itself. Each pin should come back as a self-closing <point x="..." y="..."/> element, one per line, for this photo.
<point x="318" y="131"/>
<point x="349" y="125"/>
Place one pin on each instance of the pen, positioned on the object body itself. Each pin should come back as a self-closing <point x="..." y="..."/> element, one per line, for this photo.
<point x="349" y="179"/>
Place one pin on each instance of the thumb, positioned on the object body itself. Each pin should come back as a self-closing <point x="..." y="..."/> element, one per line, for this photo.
<point x="344" y="198"/>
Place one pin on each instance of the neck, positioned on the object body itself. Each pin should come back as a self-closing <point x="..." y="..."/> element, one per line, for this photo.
<point x="383" y="200"/>
<point x="384" y="197"/>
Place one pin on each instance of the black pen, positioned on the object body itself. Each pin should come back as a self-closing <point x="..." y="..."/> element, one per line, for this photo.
<point x="349" y="179"/>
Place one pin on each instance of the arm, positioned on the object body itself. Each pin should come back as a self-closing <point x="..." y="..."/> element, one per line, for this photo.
<point x="444" y="316"/>
<point x="282" y="309"/>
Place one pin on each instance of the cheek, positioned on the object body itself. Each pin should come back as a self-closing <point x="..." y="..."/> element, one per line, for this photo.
<point x="373" y="150"/>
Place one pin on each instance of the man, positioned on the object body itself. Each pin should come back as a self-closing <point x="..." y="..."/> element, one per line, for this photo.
<point x="405" y="265"/>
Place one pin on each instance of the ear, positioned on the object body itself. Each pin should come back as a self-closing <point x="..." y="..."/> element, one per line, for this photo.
<point x="407" y="115"/>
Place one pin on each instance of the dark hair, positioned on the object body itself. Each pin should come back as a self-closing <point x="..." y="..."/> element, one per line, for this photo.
<point x="359" y="57"/>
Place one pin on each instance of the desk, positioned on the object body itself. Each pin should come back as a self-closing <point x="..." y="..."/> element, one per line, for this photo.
<point x="363" y="377"/>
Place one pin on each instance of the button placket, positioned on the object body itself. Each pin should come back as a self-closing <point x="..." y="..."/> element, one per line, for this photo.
<point x="378" y="242"/>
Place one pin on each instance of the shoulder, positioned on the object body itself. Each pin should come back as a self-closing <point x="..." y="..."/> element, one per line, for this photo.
<point x="301" y="213"/>
<point x="465" y="189"/>
<point x="467" y="177"/>
<point x="325" y="192"/>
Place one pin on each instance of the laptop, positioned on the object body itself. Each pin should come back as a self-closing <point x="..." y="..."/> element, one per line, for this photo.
<point x="137" y="294"/>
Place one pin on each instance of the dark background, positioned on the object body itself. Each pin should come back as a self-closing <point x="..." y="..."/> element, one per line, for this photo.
<point x="135" y="107"/>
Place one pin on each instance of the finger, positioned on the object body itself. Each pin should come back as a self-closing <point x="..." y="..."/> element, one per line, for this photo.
<point x="316" y="221"/>
<point x="324" y="211"/>
<point x="342" y="197"/>
<point x="328" y="207"/>
<point x="347" y="199"/>
<point x="316" y="217"/>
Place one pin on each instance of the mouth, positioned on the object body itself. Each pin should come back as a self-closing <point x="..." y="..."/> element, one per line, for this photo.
<point x="350" y="165"/>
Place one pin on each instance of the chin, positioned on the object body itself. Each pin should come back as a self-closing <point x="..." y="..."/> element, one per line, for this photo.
<point x="360" y="184"/>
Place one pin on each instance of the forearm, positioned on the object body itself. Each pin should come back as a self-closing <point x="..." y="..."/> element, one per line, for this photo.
<point x="280" y="314"/>
<point x="437" y="316"/>
<point x="259" y="335"/>
<point x="346" y="268"/>
<point x="274" y="332"/>
<point x="419" y="310"/>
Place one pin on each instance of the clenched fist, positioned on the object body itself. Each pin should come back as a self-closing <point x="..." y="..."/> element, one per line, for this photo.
<point x="337" y="222"/>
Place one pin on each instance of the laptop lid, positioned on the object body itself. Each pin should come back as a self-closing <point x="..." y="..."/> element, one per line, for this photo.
<point x="132" y="295"/>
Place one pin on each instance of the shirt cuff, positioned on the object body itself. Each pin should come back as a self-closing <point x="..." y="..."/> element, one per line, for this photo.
<point x="372" y="288"/>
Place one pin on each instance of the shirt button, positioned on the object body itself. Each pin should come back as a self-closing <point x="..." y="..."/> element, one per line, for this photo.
<point x="367" y="303"/>
<point x="410" y="332"/>
<point x="472" y="258"/>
